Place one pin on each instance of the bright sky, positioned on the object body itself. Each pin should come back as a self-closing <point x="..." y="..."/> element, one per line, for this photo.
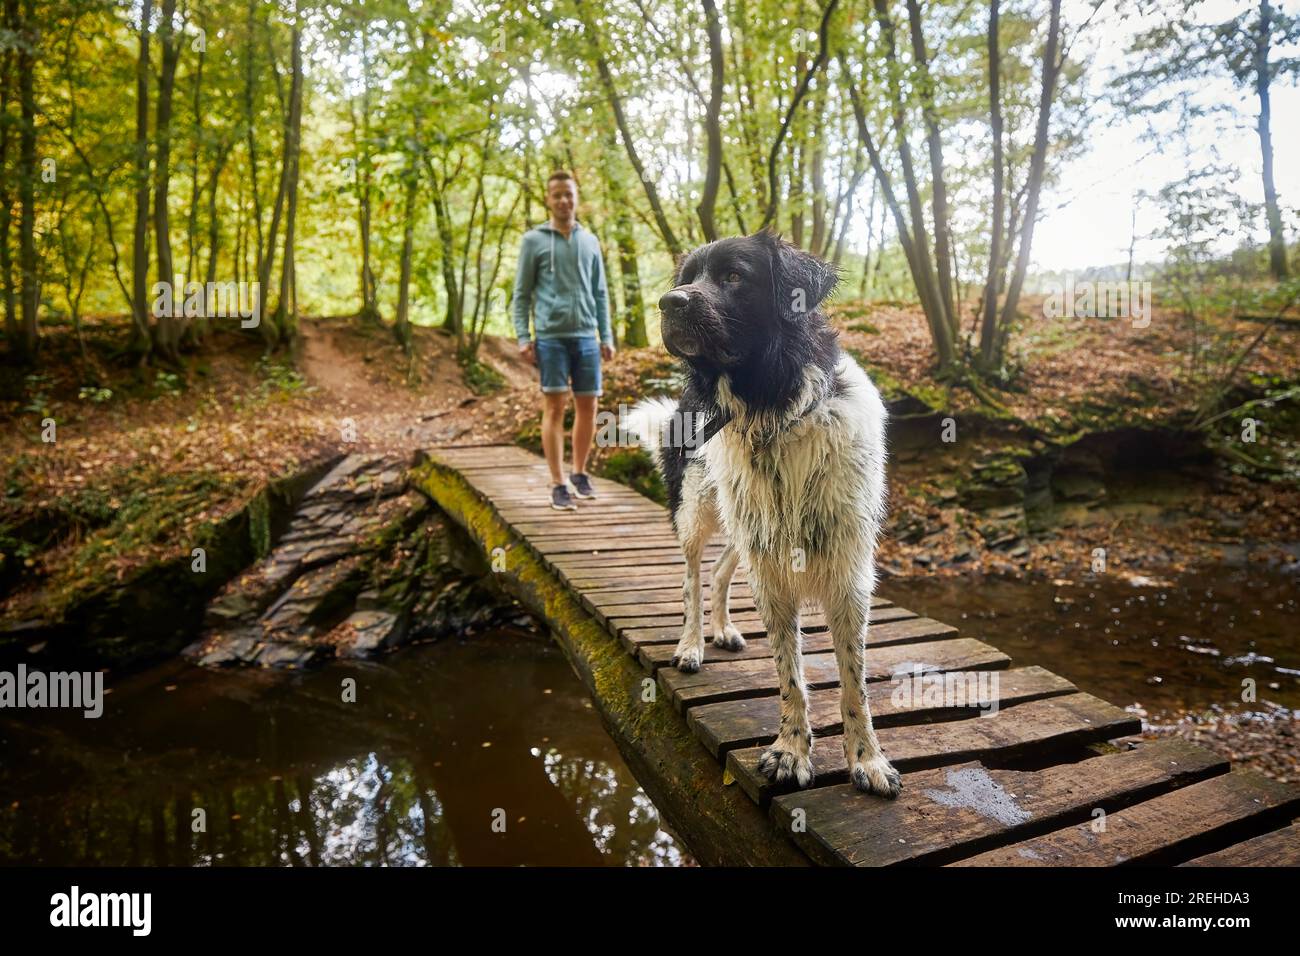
<point x="1087" y="217"/>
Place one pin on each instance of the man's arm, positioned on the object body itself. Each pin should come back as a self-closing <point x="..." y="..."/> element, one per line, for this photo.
<point x="601" y="294"/>
<point x="523" y="297"/>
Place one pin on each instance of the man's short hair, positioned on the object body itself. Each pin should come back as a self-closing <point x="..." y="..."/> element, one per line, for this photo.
<point x="560" y="174"/>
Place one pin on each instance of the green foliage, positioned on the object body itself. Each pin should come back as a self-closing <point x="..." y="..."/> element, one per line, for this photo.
<point x="167" y="383"/>
<point x="38" y="399"/>
<point x="95" y="393"/>
<point x="635" y="468"/>
<point x="481" y="378"/>
<point x="279" y="376"/>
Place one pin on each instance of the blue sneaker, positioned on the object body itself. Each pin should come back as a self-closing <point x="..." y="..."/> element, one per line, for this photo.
<point x="582" y="486"/>
<point x="560" y="499"/>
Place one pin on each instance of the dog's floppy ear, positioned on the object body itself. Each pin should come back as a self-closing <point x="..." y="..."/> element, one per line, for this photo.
<point x="801" y="280"/>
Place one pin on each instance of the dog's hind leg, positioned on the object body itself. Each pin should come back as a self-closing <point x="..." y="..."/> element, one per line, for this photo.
<point x="847" y="606"/>
<point x="790" y="756"/>
<point x="696" y="521"/>
<point x="725" y="634"/>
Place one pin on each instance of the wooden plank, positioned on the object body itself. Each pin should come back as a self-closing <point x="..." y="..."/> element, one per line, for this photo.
<point x="619" y="529"/>
<point x="733" y="724"/>
<point x="597" y="558"/>
<point x="620" y="554"/>
<point x="537" y="496"/>
<point x="1279" y="848"/>
<point x="747" y="622"/>
<point x="605" y="596"/>
<point x="1014" y="730"/>
<point x="635" y="632"/>
<point x="1157" y="829"/>
<point x="549" y="517"/>
<point x="952" y="812"/>
<point x="751" y="628"/>
<point x="573" y="545"/>
<point x="646" y="536"/>
<point x="668" y="612"/>
<point x="668" y="630"/>
<point x="733" y="680"/>
<point x="657" y="616"/>
<point x="908" y="631"/>
<point x="652" y="578"/>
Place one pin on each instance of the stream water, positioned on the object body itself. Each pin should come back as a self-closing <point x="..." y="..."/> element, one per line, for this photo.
<point x="1181" y="645"/>
<point x="478" y="752"/>
<point x="488" y="750"/>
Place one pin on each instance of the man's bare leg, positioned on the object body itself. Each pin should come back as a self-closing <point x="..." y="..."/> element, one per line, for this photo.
<point x="584" y="427"/>
<point x="553" y="404"/>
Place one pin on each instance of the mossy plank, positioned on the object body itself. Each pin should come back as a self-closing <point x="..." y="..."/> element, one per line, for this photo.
<point x="720" y="825"/>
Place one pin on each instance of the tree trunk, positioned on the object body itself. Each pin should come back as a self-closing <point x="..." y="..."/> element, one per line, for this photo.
<point x="915" y="241"/>
<point x="928" y="287"/>
<point x="747" y="108"/>
<point x="28" y="336"/>
<point x="1132" y="243"/>
<point x="838" y="255"/>
<point x="141" y="336"/>
<point x="629" y="143"/>
<point x="454" y="319"/>
<point x="402" y="324"/>
<point x="250" y="85"/>
<point x="361" y="134"/>
<point x="272" y="333"/>
<point x="1037" y="162"/>
<point x="10" y="22"/>
<point x="634" y="333"/>
<point x="214" y="230"/>
<point x="871" y="233"/>
<point x="713" y="163"/>
<point x="166" y="328"/>
<point x="819" y="240"/>
<point x="823" y="50"/>
<point x="938" y="187"/>
<point x="1276" y="237"/>
<point x="196" y="154"/>
<point x="287" y="308"/>
<point x="989" y="310"/>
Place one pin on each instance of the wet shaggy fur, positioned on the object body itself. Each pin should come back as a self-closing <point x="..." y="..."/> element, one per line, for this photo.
<point x="795" y="479"/>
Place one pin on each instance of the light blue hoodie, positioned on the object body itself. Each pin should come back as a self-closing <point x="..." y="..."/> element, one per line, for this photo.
<point x="565" y="280"/>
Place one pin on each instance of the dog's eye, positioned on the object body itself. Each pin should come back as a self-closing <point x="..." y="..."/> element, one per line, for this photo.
<point x="733" y="277"/>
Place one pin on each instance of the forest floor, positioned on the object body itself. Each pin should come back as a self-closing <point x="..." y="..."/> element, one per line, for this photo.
<point x="143" y="456"/>
<point x="1087" y="449"/>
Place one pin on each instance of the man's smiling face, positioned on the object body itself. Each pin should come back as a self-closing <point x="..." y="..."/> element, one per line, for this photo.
<point x="562" y="199"/>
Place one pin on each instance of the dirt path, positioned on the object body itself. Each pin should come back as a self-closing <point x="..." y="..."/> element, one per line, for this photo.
<point x="363" y="378"/>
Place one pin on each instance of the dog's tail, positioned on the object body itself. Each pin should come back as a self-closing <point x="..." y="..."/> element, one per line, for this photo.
<point x="646" y="421"/>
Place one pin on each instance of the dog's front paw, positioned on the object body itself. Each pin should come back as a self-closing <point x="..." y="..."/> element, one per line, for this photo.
<point x="876" y="776"/>
<point x="729" y="639"/>
<point x="786" y="761"/>
<point x="687" y="657"/>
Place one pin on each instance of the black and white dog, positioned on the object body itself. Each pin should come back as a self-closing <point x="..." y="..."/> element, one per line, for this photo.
<point x="790" y="465"/>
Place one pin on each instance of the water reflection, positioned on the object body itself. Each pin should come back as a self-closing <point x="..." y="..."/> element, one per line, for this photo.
<point x="1166" y="646"/>
<point x="479" y="753"/>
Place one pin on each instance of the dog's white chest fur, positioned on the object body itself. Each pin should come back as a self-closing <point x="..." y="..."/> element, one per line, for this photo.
<point x="814" y="493"/>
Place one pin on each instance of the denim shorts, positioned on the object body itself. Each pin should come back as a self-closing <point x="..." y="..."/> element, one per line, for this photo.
<point x="562" y="361"/>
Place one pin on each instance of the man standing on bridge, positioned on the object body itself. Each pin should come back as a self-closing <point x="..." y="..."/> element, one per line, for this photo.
<point x="562" y="272"/>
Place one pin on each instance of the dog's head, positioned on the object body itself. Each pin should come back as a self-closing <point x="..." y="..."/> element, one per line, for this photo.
<point x="733" y="300"/>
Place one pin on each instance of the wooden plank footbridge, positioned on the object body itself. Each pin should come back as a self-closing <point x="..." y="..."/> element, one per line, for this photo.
<point x="1031" y="782"/>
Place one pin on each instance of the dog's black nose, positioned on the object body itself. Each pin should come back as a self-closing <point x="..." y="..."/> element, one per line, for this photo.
<point x="673" y="300"/>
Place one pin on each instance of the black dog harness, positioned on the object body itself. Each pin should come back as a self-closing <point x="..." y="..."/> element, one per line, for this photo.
<point x="700" y="437"/>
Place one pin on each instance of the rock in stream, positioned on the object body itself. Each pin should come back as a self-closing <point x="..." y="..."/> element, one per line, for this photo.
<point x="364" y="565"/>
